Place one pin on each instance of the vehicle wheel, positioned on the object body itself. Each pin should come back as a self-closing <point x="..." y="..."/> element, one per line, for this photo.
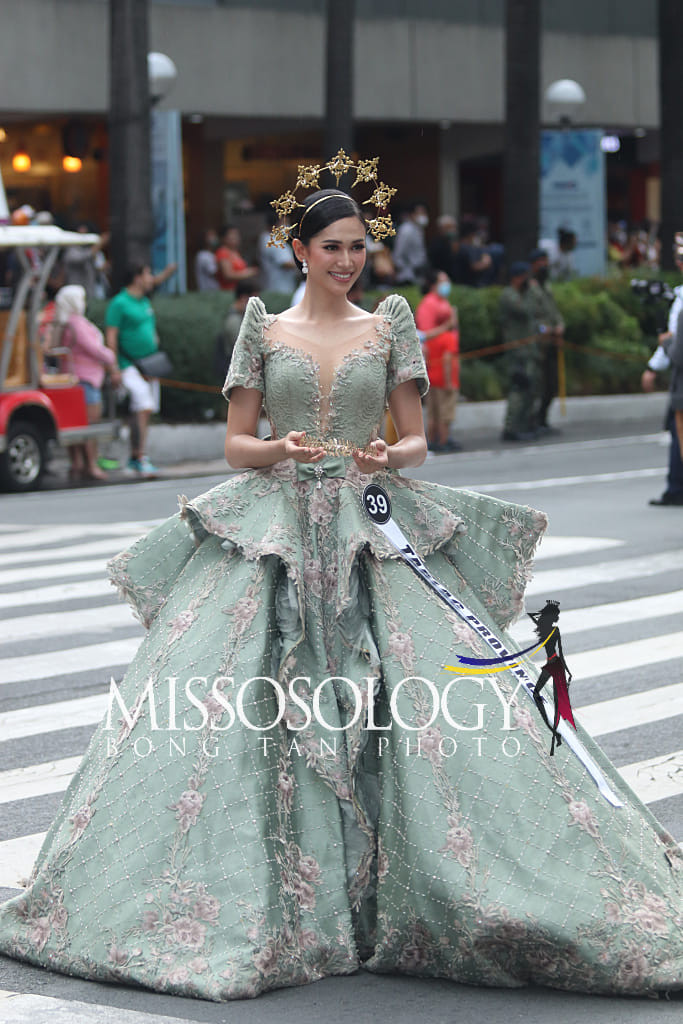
<point x="22" y="464"/>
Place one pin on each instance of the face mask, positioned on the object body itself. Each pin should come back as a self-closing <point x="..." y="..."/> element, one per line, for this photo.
<point x="524" y="285"/>
<point x="541" y="275"/>
<point x="422" y="219"/>
<point x="443" y="289"/>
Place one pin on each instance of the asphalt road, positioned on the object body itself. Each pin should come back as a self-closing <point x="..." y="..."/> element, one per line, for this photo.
<point x="614" y="563"/>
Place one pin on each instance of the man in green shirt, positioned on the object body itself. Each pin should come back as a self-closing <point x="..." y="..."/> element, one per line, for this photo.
<point x="517" y="323"/>
<point x="132" y="334"/>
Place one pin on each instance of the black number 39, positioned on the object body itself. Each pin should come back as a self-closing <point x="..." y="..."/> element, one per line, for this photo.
<point x="376" y="503"/>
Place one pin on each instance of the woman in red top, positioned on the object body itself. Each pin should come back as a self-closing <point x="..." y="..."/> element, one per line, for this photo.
<point x="438" y="322"/>
<point x="230" y="266"/>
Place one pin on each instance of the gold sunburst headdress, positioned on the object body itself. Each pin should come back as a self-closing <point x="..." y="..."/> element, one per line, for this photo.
<point x="380" y="227"/>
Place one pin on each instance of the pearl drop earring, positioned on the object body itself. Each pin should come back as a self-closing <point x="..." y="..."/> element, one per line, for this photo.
<point x="304" y="267"/>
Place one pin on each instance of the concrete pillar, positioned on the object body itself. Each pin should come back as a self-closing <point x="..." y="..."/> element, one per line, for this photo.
<point x="449" y="172"/>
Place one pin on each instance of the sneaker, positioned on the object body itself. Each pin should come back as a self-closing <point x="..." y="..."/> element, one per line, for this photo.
<point x="108" y="464"/>
<point x="143" y="467"/>
<point x="146" y="467"/>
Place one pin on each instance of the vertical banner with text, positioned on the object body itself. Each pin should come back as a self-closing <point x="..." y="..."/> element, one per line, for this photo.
<point x="573" y="194"/>
<point x="168" y="205"/>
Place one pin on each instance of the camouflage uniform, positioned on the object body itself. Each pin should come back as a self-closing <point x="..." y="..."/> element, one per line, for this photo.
<point x="523" y="363"/>
<point x="545" y="312"/>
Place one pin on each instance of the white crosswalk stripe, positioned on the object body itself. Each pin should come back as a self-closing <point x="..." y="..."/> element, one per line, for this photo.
<point x="28" y="667"/>
<point x="18" y="537"/>
<point x="63" y="714"/>
<point x="56" y="594"/>
<point x="55" y="568"/>
<point x="109" y="547"/>
<point x="86" y="620"/>
<point x="36" y="779"/>
<point x="84" y="567"/>
<point x="550" y="581"/>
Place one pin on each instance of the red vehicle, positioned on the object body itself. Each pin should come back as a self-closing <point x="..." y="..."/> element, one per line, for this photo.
<point x="37" y="409"/>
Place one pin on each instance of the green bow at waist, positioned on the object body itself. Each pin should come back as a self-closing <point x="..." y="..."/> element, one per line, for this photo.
<point x="333" y="465"/>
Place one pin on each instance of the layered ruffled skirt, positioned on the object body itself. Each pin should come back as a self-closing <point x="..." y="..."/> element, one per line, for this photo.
<point x="287" y="787"/>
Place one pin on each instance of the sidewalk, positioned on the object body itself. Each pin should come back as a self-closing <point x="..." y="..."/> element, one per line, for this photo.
<point x="477" y="425"/>
<point x="196" y="449"/>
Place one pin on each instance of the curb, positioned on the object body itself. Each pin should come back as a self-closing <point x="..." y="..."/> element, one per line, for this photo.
<point x="169" y="444"/>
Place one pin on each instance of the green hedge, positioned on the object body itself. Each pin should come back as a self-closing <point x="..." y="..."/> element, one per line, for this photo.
<point x="187" y="326"/>
<point x="599" y="314"/>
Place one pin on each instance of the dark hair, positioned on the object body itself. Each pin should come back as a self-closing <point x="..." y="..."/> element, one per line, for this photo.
<point x="270" y="216"/>
<point x="429" y="279"/>
<point x="547" y="616"/>
<point x="336" y="207"/>
<point x="133" y="270"/>
<point x="468" y="226"/>
<point x="413" y="205"/>
<point x="247" y="286"/>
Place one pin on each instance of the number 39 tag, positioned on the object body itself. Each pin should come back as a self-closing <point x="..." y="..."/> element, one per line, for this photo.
<point x="376" y="503"/>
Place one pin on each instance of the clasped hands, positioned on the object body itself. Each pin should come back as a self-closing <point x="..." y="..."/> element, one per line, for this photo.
<point x="365" y="462"/>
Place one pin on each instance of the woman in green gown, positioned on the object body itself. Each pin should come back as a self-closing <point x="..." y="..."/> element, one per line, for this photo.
<point x="273" y="796"/>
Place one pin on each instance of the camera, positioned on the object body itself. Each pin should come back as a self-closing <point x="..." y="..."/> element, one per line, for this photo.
<point x="652" y="291"/>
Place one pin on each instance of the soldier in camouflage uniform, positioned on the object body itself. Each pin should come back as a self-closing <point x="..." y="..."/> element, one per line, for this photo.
<point x="550" y="327"/>
<point x="517" y="322"/>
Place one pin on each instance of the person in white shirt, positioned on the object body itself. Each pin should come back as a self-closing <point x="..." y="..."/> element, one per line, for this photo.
<point x="205" y="263"/>
<point x="278" y="269"/>
<point x="659" y="363"/>
<point x="410" y="252"/>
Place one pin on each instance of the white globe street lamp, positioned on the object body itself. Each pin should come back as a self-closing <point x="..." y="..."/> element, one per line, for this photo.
<point x="162" y="74"/>
<point x="565" y="96"/>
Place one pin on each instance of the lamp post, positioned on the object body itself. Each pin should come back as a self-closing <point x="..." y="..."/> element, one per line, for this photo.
<point x="522" y="107"/>
<point x="339" y="78"/>
<point x="564" y="97"/>
<point x="573" y="182"/>
<point x="168" y="243"/>
<point x="130" y="209"/>
<point x="670" y="23"/>
<point x="161" y="75"/>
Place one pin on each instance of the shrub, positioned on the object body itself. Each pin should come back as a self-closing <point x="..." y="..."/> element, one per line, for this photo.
<point x="598" y="314"/>
<point x="187" y="326"/>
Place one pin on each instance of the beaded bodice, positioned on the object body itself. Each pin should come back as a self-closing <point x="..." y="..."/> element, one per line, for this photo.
<point x="324" y="391"/>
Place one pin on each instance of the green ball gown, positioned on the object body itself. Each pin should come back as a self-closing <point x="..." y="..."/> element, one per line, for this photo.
<point x="223" y="837"/>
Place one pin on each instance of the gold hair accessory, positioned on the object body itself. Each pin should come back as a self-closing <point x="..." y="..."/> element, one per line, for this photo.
<point x="380" y="227"/>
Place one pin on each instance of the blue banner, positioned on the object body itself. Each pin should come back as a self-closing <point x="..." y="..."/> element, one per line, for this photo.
<point x="572" y="196"/>
<point x="168" y="204"/>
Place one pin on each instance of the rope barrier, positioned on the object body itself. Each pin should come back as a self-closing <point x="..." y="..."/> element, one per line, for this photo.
<point x="560" y="343"/>
<point x="186" y="385"/>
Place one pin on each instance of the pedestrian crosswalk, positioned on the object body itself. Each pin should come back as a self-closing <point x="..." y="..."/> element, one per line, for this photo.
<point x="65" y="634"/>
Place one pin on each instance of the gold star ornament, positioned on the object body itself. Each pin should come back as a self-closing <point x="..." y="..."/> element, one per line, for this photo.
<point x="308" y="176"/>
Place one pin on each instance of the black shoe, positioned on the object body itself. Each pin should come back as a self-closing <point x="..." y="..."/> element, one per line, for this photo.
<point x="667" y="499"/>
<point x="545" y="431"/>
<point x="518" y="435"/>
<point x="452" y="446"/>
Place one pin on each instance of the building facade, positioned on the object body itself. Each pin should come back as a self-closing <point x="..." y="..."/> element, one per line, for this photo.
<point x="428" y="98"/>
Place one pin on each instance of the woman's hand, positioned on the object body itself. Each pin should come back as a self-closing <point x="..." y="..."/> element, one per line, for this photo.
<point x="300" y="453"/>
<point x="373" y="463"/>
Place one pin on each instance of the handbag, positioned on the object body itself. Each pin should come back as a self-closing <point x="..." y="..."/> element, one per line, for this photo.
<point x="157" y="364"/>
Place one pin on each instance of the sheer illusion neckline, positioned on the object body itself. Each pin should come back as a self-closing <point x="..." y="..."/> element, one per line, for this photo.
<point x="373" y="341"/>
<point x="370" y="330"/>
